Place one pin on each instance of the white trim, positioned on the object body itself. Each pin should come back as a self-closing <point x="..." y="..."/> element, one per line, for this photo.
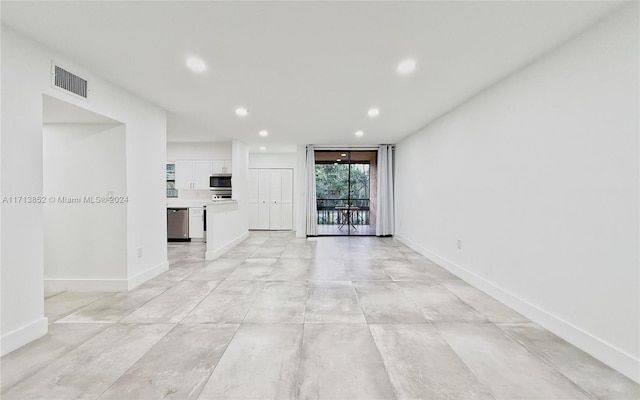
<point x="23" y="335"/>
<point x="106" y="285"/>
<point x="616" y="358"/>
<point x="212" y="255"/>
<point x="144" y="276"/>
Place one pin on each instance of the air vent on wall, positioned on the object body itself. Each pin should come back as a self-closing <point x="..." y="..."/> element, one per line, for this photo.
<point x="64" y="79"/>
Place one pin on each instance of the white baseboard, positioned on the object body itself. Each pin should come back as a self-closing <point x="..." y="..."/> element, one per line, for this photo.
<point x="105" y="285"/>
<point x="212" y="255"/>
<point x="611" y="355"/>
<point x="23" y="335"/>
<point x="144" y="276"/>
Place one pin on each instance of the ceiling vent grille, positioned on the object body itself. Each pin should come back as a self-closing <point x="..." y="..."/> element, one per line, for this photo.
<point x="69" y="82"/>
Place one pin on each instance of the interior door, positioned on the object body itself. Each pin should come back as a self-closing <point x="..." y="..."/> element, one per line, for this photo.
<point x="254" y="199"/>
<point x="287" y="199"/>
<point x="264" y="186"/>
<point x="275" y="199"/>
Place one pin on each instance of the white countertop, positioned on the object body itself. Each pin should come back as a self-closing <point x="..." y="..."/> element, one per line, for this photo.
<point x="171" y="203"/>
<point x="222" y="201"/>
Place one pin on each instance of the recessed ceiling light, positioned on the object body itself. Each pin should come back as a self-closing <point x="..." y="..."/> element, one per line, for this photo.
<point x="373" y="112"/>
<point x="359" y="133"/>
<point x="196" y="64"/>
<point x="241" y="112"/>
<point x="406" y="66"/>
<point x="343" y="154"/>
<point x="338" y="160"/>
<point x="262" y="148"/>
<point x="263" y="133"/>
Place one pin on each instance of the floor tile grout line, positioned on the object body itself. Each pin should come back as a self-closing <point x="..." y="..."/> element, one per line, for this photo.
<point x="103" y="297"/>
<point x="137" y="360"/>
<point x="468" y="368"/>
<point x="200" y="301"/>
<point x="218" y="362"/>
<point x="542" y="359"/>
<point x="143" y="304"/>
<point x="384" y="365"/>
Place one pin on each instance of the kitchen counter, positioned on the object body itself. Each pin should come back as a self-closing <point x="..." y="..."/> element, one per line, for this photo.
<point x="176" y="203"/>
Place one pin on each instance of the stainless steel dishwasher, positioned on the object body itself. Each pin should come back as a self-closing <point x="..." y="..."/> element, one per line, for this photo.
<point x="178" y="225"/>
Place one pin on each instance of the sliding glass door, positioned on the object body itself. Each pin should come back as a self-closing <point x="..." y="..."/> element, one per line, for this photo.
<point x="345" y="192"/>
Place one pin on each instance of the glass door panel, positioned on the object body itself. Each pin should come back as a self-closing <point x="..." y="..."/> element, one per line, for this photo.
<point x="343" y="190"/>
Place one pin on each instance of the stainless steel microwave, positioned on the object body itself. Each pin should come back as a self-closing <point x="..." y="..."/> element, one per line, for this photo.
<point x="220" y="184"/>
<point x="220" y="181"/>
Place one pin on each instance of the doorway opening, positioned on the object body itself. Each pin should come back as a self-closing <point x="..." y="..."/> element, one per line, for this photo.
<point x="84" y="163"/>
<point x="346" y="192"/>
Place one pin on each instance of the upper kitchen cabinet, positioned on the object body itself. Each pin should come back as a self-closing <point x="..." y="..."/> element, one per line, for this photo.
<point x="201" y="174"/>
<point x="184" y="175"/>
<point x="221" y="166"/>
<point x="194" y="174"/>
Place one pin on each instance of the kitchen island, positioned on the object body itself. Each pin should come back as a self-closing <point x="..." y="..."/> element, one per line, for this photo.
<point x="226" y="227"/>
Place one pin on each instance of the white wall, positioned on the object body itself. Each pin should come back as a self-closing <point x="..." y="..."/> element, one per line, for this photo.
<point x="198" y="151"/>
<point x="538" y="176"/>
<point x="273" y="160"/>
<point x="25" y="78"/>
<point x="240" y="168"/>
<point x="85" y="243"/>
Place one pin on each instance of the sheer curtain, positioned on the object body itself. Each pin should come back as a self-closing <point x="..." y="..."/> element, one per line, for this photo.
<point x="385" y="221"/>
<point x="311" y="205"/>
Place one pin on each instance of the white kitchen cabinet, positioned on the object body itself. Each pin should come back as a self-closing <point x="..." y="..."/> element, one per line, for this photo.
<point x="221" y="166"/>
<point x="271" y="199"/>
<point x="196" y="222"/>
<point x="194" y="174"/>
<point x="184" y="174"/>
<point x="201" y="174"/>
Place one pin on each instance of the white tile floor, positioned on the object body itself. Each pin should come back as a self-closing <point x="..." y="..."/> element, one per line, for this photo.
<point x="286" y="318"/>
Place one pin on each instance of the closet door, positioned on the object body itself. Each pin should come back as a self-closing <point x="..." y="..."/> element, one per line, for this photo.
<point x="264" y="186"/>
<point x="287" y="199"/>
<point x="254" y="199"/>
<point x="275" y="197"/>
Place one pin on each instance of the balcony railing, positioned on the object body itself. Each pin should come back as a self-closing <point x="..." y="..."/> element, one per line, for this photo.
<point x="329" y="215"/>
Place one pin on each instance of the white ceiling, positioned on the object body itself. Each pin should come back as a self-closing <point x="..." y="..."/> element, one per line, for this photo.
<point x="307" y="71"/>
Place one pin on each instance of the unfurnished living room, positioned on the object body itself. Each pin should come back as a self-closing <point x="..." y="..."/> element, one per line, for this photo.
<point x="320" y="200"/>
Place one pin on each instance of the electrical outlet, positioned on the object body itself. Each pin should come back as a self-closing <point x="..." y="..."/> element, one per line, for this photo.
<point x="459" y="244"/>
<point x="139" y="252"/>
